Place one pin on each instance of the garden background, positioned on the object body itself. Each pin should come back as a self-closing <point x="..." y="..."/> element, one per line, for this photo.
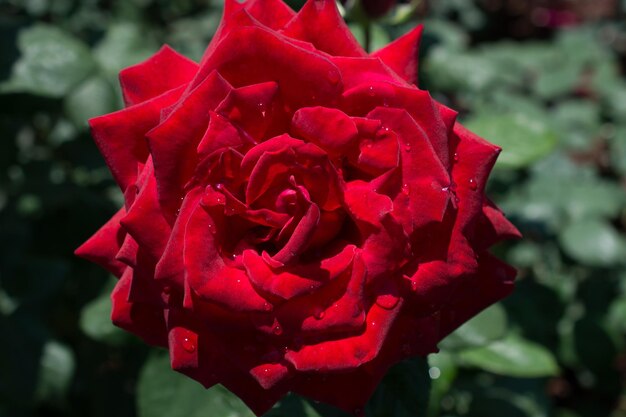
<point x="543" y="79"/>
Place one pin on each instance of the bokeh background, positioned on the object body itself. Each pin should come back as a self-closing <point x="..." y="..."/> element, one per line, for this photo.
<point x="543" y="79"/>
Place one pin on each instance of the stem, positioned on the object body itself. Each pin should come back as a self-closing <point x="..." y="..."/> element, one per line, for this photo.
<point x="367" y="28"/>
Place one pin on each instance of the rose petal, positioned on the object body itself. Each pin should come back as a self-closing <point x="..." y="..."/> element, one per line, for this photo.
<point x="207" y="273"/>
<point x="424" y="178"/>
<point x="103" y="246"/>
<point x="120" y="135"/>
<point x="171" y="267"/>
<point x="329" y="33"/>
<point x="174" y="160"/>
<point x="297" y="280"/>
<point x="330" y="129"/>
<point x="145" y="321"/>
<point x="347" y="353"/>
<point x="365" y="70"/>
<point x="402" y="54"/>
<point x="274" y="14"/>
<point x="492" y="282"/>
<point x="253" y="55"/>
<point x="251" y="108"/>
<point x="163" y="71"/>
<point x="145" y="222"/>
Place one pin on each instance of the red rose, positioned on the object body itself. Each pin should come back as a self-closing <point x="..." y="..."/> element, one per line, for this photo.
<point x="299" y="215"/>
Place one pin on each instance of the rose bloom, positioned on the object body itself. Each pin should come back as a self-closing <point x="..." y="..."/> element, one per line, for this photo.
<point x="298" y="215"/>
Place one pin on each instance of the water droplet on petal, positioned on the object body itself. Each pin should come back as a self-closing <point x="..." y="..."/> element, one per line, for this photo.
<point x="406" y="190"/>
<point x="188" y="344"/>
<point x="278" y="330"/>
<point x="370" y="91"/>
<point x="220" y="186"/>
<point x="319" y="313"/>
<point x="456" y="157"/>
<point x="473" y="184"/>
<point x="268" y="307"/>
<point x="407" y="147"/>
<point x="414" y="285"/>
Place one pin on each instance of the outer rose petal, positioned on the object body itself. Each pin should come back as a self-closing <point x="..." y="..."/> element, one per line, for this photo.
<point x="145" y="321"/>
<point x="272" y="13"/>
<point x="163" y="71"/>
<point x="120" y="135"/>
<point x="329" y="33"/>
<point x="402" y="54"/>
<point x="252" y="55"/>
<point x="104" y="245"/>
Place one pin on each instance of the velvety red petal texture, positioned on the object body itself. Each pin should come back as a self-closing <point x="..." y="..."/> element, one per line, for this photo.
<point x="298" y="215"/>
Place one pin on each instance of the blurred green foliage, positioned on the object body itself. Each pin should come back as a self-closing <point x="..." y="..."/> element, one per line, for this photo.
<point x="555" y="103"/>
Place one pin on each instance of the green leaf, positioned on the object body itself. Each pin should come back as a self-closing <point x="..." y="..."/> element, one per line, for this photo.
<point x="523" y="139"/>
<point x="618" y="150"/>
<point x="442" y="372"/>
<point x="55" y="374"/>
<point x="51" y="64"/>
<point x="593" y="242"/>
<point x="95" y="322"/>
<point x="124" y="44"/>
<point x="403" y="392"/>
<point x="163" y="392"/>
<point x="378" y="36"/>
<point x="487" y="326"/>
<point x="92" y="98"/>
<point x="512" y="356"/>
<point x="617" y="315"/>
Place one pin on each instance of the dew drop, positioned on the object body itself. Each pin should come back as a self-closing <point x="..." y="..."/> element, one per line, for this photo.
<point x="261" y="107"/>
<point x="456" y="157"/>
<point x="406" y="190"/>
<point x="370" y="91"/>
<point x="319" y="313"/>
<point x="473" y="184"/>
<point x="268" y="307"/>
<point x="278" y="330"/>
<point x="188" y="344"/>
<point x="414" y="285"/>
<point x="407" y="147"/>
<point x="220" y="186"/>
